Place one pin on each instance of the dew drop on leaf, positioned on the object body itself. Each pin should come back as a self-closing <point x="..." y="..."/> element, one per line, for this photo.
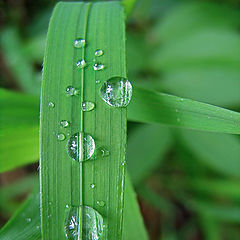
<point x="92" y="225"/>
<point x="51" y="104"/>
<point x="87" y="106"/>
<point x="79" y="43"/>
<point x="64" y="123"/>
<point x="61" y="137"/>
<point x="104" y="152"/>
<point x="80" y="146"/>
<point x="98" y="66"/>
<point x="116" y="92"/>
<point x="92" y="185"/>
<point x="81" y="64"/>
<point x="101" y="203"/>
<point x="98" y="53"/>
<point x="71" y="91"/>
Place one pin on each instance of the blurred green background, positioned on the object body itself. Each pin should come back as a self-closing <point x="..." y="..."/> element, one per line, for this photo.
<point x="187" y="182"/>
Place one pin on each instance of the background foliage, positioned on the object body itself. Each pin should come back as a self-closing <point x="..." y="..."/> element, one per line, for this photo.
<point x="187" y="182"/>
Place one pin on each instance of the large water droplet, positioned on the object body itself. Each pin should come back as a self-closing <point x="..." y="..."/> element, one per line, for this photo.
<point x="51" y="104"/>
<point x="61" y="137"/>
<point x="80" y="146"/>
<point x="79" y="43"/>
<point x="87" y="106"/>
<point x="116" y="92"/>
<point x="91" y="227"/>
<point x="71" y="91"/>
<point x="98" y="66"/>
<point x="64" y="123"/>
<point x="98" y="53"/>
<point x="81" y="64"/>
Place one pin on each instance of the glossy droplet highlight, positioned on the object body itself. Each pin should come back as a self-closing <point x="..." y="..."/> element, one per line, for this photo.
<point x="116" y="92"/>
<point x="98" y="66"/>
<point x="51" y="104"/>
<point x="81" y="64"/>
<point x="71" y="91"/>
<point x="64" y="123"/>
<point x="98" y="53"/>
<point x="97" y="81"/>
<point x="81" y="146"/>
<point x="29" y="220"/>
<point x="92" y="186"/>
<point x="79" y="43"/>
<point x="92" y="223"/>
<point x="61" y="137"/>
<point x="87" y="106"/>
<point x="101" y="203"/>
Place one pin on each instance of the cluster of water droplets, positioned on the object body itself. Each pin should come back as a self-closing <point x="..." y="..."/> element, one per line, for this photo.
<point x="116" y="92"/>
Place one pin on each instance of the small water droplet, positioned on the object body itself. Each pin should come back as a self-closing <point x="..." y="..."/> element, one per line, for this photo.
<point x="51" y="104"/>
<point x="81" y="64"/>
<point x="116" y="92"/>
<point x="29" y="220"/>
<point x="64" y="123"/>
<point x="61" y="137"/>
<point x="37" y="227"/>
<point x="92" y="186"/>
<point x="98" y="53"/>
<point x="49" y="216"/>
<point x="97" y="81"/>
<point x="80" y="142"/>
<point x="71" y="91"/>
<point x="181" y="99"/>
<point x="101" y="203"/>
<point x="79" y="43"/>
<point x="87" y="106"/>
<point x="124" y="163"/>
<point x="104" y="152"/>
<point x="98" y="66"/>
<point x="92" y="223"/>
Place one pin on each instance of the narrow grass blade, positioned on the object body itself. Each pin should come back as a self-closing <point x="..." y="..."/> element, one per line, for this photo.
<point x="19" y="116"/>
<point x="147" y="147"/>
<point x="98" y="182"/>
<point x="128" y="6"/>
<point x="133" y="226"/>
<point x="22" y="69"/>
<point x="149" y="106"/>
<point x="221" y="152"/>
<point x="25" y="223"/>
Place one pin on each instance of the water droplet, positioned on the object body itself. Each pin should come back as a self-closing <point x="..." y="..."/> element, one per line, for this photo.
<point x="80" y="146"/>
<point x="92" y="186"/>
<point x="64" y="123"/>
<point x="29" y="220"/>
<point x="79" y="43"/>
<point x="98" y="53"/>
<point x="92" y="223"/>
<point x="61" y="137"/>
<point x="71" y="91"/>
<point x="81" y="64"/>
<point x="124" y="163"/>
<point x="87" y="106"/>
<point x="116" y="92"/>
<point x="97" y="81"/>
<point x="98" y="67"/>
<point x="182" y="99"/>
<point x="37" y="227"/>
<point x="51" y="104"/>
<point x="104" y="152"/>
<point x="101" y="203"/>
